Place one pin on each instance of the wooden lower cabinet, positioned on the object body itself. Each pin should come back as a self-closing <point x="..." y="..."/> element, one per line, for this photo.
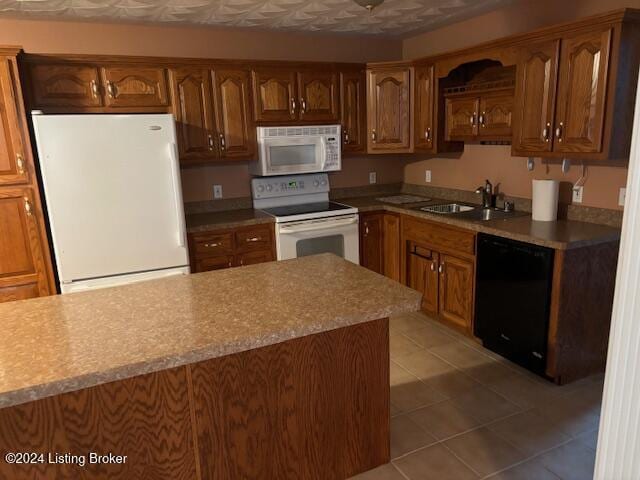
<point x="455" y="303"/>
<point x="238" y="247"/>
<point x="422" y="275"/>
<point x="380" y="243"/>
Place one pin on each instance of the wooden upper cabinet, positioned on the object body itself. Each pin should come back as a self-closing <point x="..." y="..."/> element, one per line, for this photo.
<point x="134" y="86"/>
<point x="535" y="98"/>
<point x="13" y="160"/>
<point x="582" y="92"/>
<point x="461" y="118"/>
<point x="65" y="86"/>
<point x="495" y="118"/>
<point x="274" y="95"/>
<point x="232" y="101"/>
<point x="22" y="265"/>
<point x="456" y="290"/>
<point x="194" y="114"/>
<point x="318" y="92"/>
<point x="353" y="111"/>
<point x="424" y="106"/>
<point x="389" y="110"/>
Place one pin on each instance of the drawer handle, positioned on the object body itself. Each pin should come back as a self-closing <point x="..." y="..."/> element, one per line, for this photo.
<point x="433" y="267"/>
<point x="303" y="105"/>
<point x="94" y="88"/>
<point x="253" y="239"/>
<point x="28" y="207"/>
<point x="441" y="269"/>
<point x="223" y="144"/>
<point x="427" y="134"/>
<point x="210" y="139"/>
<point x="293" y="106"/>
<point x="504" y="337"/>
<point x="545" y="132"/>
<point x="111" y="89"/>
<point x="374" y="136"/>
<point x="559" y="132"/>
<point x="212" y="245"/>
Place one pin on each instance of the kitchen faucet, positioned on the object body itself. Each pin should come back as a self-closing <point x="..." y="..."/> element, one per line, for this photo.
<point x="488" y="198"/>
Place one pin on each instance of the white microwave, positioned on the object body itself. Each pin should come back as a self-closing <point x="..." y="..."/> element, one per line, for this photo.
<point x="293" y="150"/>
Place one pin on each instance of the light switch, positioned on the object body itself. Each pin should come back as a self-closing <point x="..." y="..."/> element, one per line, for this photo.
<point x="373" y="178"/>
<point x="217" y="191"/>
<point x="427" y="176"/>
<point x="577" y="194"/>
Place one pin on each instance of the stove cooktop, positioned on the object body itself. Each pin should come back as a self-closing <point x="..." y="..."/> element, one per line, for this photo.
<point x="306" y="208"/>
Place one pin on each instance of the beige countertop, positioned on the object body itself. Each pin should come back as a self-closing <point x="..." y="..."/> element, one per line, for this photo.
<point x="202" y="222"/>
<point x="562" y="234"/>
<point x="63" y="343"/>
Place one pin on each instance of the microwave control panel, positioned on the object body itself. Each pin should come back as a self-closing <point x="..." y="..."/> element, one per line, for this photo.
<point x="332" y="161"/>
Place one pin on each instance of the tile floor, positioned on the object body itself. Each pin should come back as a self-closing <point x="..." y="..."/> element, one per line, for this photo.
<point x="459" y="411"/>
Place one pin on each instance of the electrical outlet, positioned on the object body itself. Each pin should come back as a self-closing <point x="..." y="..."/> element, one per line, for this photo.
<point x="622" y="196"/>
<point x="577" y="194"/>
<point x="217" y="191"/>
<point x="373" y="177"/>
<point x="427" y="176"/>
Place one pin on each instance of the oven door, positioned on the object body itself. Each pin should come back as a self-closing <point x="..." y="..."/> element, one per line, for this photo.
<point x="337" y="235"/>
<point x="292" y="155"/>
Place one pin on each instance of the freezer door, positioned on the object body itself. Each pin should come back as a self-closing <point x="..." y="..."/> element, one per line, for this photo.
<point x="112" y="191"/>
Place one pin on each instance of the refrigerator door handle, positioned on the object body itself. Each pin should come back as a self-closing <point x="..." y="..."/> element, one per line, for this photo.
<point x="177" y="193"/>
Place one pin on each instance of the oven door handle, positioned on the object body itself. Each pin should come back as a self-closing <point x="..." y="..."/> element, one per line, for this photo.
<point x="319" y="226"/>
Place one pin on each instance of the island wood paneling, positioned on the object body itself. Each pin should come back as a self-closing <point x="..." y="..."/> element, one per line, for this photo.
<point x="316" y="407"/>
<point x="146" y="418"/>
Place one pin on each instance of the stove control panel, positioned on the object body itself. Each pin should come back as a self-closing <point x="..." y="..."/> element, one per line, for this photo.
<point x="289" y="185"/>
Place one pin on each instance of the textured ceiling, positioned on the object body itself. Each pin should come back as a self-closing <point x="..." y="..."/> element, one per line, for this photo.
<point x="393" y="17"/>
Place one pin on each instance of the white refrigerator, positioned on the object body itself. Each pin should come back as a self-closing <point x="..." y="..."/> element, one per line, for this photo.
<point x="113" y="197"/>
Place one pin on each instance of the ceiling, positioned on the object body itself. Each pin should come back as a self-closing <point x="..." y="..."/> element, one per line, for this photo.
<point x="393" y="17"/>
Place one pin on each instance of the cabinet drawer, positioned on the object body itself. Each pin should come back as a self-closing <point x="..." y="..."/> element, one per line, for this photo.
<point x="439" y="237"/>
<point x="213" y="243"/>
<point x="251" y="258"/>
<point x="254" y="238"/>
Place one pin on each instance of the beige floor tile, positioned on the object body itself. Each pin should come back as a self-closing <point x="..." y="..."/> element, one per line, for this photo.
<point x="385" y="472"/>
<point x="444" y="420"/>
<point x="461" y="355"/>
<point x="530" y="470"/>
<point x="524" y="392"/>
<point x="485" y="405"/>
<point x="423" y="364"/>
<point x="412" y="395"/>
<point x="491" y="372"/>
<point x="434" y="463"/>
<point x="451" y="384"/>
<point x="430" y="336"/>
<point x="529" y="432"/>
<point x="399" y="344"/>
<point x="572" y="414"/>
<point x="571" y="461"/>
<point x="589" y="439"/>
<point x="406" y="322"/>
<point x="406" y="436"/>
<point x="484" y="451"/>
<point x="399" y="375"/>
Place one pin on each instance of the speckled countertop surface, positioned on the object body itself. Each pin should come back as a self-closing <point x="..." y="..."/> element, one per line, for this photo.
<point x="562" y="234"/>
<point x="201" y="222"/>
<point x="63" y="343"/>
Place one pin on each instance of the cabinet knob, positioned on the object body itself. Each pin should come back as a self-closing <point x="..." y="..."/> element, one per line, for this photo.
<point x="20" y="163"/>
<point x="374" y="136"/>
<point x="223" y="143"/>
<point x="559" y="131"/>
<point x="427" y="134"/>
<point x="212" y="245"/>
<point x="94" y="88"/>
<point x="441" y="269"/>
<point x="472" y="119"/>
<point x="346" y="137"/>
<point x="303" y="105"/>
<point x="481" y="119"/>
<point x="546" y="132"/>
<point x="433" y="266"/>
<point x="253" y="239"/>
<point x="211" y="142"/>
<point x="28" y="207"/>
<point x="293" y="106"/>
<point x="111" y="89"/>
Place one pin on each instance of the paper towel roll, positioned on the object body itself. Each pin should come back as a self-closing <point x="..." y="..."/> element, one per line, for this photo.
<point x="545" y="200"/>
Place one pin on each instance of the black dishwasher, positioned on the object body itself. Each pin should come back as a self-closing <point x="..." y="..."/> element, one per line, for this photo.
<point x="513" y="295"/>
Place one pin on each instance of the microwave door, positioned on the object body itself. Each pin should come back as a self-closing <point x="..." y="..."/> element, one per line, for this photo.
<point x="293" y="155"/>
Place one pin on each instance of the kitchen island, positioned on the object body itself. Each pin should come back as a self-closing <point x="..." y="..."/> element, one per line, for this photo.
<point x="277" y="370"/>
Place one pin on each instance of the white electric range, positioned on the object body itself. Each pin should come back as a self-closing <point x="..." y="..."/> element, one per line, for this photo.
<point x="307" y="223"/>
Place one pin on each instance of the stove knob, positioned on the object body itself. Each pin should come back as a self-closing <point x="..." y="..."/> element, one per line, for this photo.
<point x="316" y="183"/>
<point x="261" y="188"/>
<point x="323" y="183"/>
<point x="269" y="187"/>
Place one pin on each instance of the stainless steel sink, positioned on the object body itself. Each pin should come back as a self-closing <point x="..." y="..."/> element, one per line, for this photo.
<point x="485" y="214"/>
<point x="447" y="208"/>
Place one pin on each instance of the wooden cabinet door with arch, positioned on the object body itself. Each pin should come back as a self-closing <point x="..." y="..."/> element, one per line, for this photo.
<point x="424" y="108"/>
<point x="14" y="167"/>
<point x="65" y="85"/>
<point x="274" y="94"/>
<point x="582" y="90"/>
<point x="232" y="102"/>
<point x="353" y="111"/>
<point x="318" y="92"/>
<point x="389" y="110"/>
<point x="135" y="86"/>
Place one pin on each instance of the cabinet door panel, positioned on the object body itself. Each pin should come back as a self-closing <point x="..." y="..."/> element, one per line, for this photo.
<point x="462" y="118"/>
<point x="535" y="98"/>
<point x="13" y="162"/>
<point x="236" y="133"/>
<point x="424" y="108"/>
<point x="274" y="95"/>
<point x="371" y="255"/>
<point x="194" y="114"/>
<point x="318" y="93"/>
<point x="65" y="86"/>
<point x="389" y="110"/>
<point x="582" y="89"/>
<point x="22" y="269"/>
<point x="496" y="111"/>
<point x="132" y="86"/>
<point x="423" y="277"/>
<point x="456" y="291"/>
<point x="207" y="264"/>
<point x="353" y="111"/>
<point x="391" y="246"/>
<point x="251" y="258"/>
